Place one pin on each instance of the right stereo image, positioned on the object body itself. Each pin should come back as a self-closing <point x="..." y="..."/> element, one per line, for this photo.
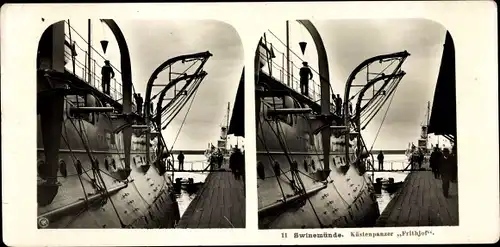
<point x="356" y="124"/>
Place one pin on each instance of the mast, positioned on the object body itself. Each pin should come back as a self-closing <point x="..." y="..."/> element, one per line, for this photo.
<point x="288" y="53"/>
<point x="427" y="125"/>
<point x="89" y="58"/>
<point x="227" y="120"/>
<point x="428" y="112"/>
<point x="227" y="126"/>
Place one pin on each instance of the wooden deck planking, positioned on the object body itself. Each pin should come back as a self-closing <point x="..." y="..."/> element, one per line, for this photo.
<point x="420" y="202"/>
<point x="220" y="203"/>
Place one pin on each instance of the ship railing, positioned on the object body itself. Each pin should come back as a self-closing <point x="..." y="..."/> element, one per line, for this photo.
<point x="393" y="165"/>
<point x="280" y="73"/>
<point x="77" y="63"/>
<point x="202" y="165"/>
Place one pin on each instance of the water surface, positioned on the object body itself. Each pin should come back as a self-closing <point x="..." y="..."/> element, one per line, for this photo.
<point x="394" y="162"/>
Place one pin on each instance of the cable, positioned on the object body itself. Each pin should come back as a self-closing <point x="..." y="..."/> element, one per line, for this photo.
<point x="183" y="121"/>
<point x="383" y="119"/>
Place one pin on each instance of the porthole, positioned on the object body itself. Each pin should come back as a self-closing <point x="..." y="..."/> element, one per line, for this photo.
<point x="276" y="168"/>
<point x="113" y="163"/>
<point x="260" y="170"/>
<point x="106" y="164"/>
<point x="305" y="166"/>
<point x="62" y="168"/>
<point x="313" y="166"/>
<point x="79" y="167"/>
<point x="40" y="165"/>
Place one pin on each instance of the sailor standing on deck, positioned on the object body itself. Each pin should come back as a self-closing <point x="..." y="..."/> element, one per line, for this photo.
<point x="446" y="170"/>
<point x="380" y="158"/>
<point x="138" y="101"/>
<point x="420" y="158"/>
<point x="107" y="74"/>
<point x="436" y="156"/>
<point x="212" y="161"/>
<point x="334" y="99"/>
<point x="454" y="164"/>
<point x="236" y="163"/>
<point x="338" y="105"/>
<point x="220" y="159"/>
<point x="180" y="158"/>
<point x="305" y="75"/>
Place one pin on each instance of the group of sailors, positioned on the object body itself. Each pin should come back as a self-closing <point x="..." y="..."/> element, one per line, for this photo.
<point x="444" y="166"/>
<point x="306" y="75"/>
<point x="417" y="159"/>
<point x="236" y="162"/>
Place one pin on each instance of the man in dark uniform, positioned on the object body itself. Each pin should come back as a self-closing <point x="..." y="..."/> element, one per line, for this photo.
<point x="446" y="170"/>
<point x="305" y="75"/>
<point x="220" y="159"/>
<point x="338" y="105"/>
<point x="180" y="158"/>
<point x="380" y="158"/>
<point x="454" y="163"/>
<point x="420" y="158"/>
<point x="236" y="164"/>
<point x="107" y="74"/>
<point x="434" y="161"/>
<point x="138" y="101"/>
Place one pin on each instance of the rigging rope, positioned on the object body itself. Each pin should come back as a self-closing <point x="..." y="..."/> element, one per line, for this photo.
<point x="383" y="119"/>
<point x="301" y="190"/>
<point x="184" y="120"/>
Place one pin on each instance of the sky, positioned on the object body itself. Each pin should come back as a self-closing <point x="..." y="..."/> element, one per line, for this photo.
<point x="151" y="42"/>
<point x="349" y="42"/>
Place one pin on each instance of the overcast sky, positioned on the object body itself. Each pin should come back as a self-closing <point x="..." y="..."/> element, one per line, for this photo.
<point x="152" y="42"/>
<point x="350" y="42"/>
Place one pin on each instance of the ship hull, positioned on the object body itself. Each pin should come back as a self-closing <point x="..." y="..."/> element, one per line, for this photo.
<point x="345" y="198"/>
<point x="140" y="198"/>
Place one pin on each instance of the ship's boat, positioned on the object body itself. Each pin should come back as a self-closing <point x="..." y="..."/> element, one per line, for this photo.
<point x="100" y="163"/>
<point x="311" y="161"/>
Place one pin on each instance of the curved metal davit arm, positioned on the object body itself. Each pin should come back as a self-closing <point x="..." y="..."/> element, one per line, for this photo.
<point x="198" y="77"/>
<point x="386" y="79"/>
<point x="159" y="106"/>
<point x="126" y="74"/>
<point x="352" y="76"/>
<point x="160" y="68"/>
<point x="347" y="119"/>
<point x="203" y="56"/>
<point x="324" y="74"/>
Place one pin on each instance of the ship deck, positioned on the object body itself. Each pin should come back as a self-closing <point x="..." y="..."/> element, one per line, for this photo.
<point x="220" y="203"/>
<point x="420" y="202"/>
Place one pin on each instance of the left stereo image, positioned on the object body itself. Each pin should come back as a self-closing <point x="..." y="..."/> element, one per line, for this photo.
<point x="140" y="124"/>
